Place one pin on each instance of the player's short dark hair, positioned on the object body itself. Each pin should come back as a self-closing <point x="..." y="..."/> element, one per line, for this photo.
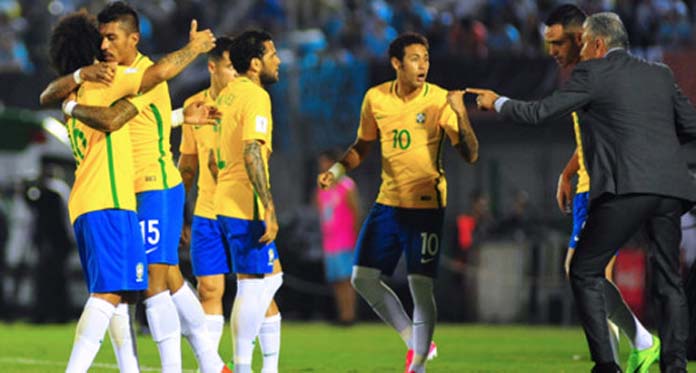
<point x="122" y="12"/>
<point x="75" y="42"/>
<point x="247" y="46"/>
<point x="397" y="48"/>
<point x="222" y="44"/>
<point x="567" y="15"/>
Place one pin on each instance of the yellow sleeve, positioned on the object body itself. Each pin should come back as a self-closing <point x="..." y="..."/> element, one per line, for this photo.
<point x="448" y="122"/>
<point x="368" y="126"/>
<point x="256" y="119"/>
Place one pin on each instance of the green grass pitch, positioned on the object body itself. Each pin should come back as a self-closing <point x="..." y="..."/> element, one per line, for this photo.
<point x="319" y="347"/>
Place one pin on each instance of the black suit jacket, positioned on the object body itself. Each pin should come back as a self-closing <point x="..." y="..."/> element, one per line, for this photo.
<point x="633" y="118"/>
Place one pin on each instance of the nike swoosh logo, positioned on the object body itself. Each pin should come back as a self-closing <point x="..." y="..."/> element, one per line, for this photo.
<point x="150" y="250"/>
<point x="428" y="260"/>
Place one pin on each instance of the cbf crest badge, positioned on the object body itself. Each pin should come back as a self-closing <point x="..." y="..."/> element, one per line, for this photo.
<point x="420" y="118"/>
<point x="271" y="257"/>
<point x="139" y="272"/>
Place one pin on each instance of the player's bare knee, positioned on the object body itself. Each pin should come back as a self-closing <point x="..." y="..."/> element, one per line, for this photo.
<point x="209" y="289"/>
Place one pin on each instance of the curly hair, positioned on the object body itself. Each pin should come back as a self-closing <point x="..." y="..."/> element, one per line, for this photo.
<point x="75" y="42"/>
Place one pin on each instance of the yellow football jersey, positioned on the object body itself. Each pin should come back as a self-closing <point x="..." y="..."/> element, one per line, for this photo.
<point x="246" y="115"/>
<point x="583" y="176"/>
<point x="104" y="174"/>
<point x="412" y="134"/>
<point x="150" y="132"/>
<point x="200" y="140"/>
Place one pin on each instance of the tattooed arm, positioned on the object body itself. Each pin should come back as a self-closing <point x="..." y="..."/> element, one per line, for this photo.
<point x="256" y="170"/>
<point x="468" y="143"/>
<point x="173" y="63"/>
<point x="106" y="119"/>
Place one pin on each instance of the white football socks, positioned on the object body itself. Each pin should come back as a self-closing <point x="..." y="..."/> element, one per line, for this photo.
<point x="269" y="339"/>
<point x="424" y="318"/>
<point x="193" y="321"/>
<point x="122" y="340"/>
<point x="247" y="315"/>
<point x="165" y="330"/>
<point x="89" y="334"/>
<point x="215" y="325"/>
<point x="383" y="300"/>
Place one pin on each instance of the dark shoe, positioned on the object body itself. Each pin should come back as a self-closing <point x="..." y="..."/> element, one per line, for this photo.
<point x="606" y="368"/>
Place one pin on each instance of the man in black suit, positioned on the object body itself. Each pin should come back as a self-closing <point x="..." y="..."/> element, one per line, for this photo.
<point x="633" y="118"/>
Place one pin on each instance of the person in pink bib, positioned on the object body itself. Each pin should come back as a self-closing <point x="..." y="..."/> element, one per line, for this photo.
<point x="339" y="214"/>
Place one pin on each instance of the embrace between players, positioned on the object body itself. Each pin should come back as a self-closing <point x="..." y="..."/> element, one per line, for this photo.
<point x="126" y="205"/>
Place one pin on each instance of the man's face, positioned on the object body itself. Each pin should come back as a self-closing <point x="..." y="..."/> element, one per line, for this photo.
<point x="270" y="63"/>
<point x="564" y="45"/>
<point x="222" y="71"/>
<point x="413" y="68"/>
<point x="592" y="47"/>
<point x="118" y="44"/>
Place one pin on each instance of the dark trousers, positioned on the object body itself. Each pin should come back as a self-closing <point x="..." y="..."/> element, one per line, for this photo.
<point x="611" y="221"/>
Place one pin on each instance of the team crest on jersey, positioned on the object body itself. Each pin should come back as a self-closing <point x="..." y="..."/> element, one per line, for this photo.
<point x="420" y="118"/>
<point x="271" y="257"/>
<point x="139" y="272"/>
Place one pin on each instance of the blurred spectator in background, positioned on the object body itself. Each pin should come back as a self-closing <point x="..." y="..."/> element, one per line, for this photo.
<point x="339" y="214"/>
<point x="468" y="37"/>
<point x="52" y="237"/>
<point x="14" y="56"/>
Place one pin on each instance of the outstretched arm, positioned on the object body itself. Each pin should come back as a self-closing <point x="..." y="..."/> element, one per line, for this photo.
<point x="350" y="160"/>
<point x="574" y="94"/>
<point x="174" y="63"/>
<point x="114" y="117"/>
<point x="256" y="170"/>
<point x="468" y="143"/>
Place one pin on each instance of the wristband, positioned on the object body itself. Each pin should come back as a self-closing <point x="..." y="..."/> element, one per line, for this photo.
<point x="177" y="117"/>
<point x="76" y="77"/>
<point x="337" y="170"/>
<point x="68" y="107"/>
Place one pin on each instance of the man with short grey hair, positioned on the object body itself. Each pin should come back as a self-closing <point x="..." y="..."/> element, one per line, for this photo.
<point x="634" y="119"/>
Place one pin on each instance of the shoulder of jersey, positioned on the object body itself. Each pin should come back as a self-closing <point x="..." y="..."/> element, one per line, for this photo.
<point x="195" y="97"/>
<point x="436" y="90"/>
<point x="383" y="88"/>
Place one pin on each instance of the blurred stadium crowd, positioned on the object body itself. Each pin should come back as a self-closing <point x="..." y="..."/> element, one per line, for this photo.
<point x="351" y="29"/>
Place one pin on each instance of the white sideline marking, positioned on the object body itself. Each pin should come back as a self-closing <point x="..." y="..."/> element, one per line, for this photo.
<point x="25" y="361"/>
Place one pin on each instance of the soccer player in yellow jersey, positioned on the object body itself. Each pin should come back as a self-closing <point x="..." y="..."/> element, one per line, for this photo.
<point x="411" y="119"/>
<point x="209" y="257"/>
<point x="106" y="228"/>
<point x="563" y="36"/>
<point x="160" y="199"/>
<point x="243" y="201"/>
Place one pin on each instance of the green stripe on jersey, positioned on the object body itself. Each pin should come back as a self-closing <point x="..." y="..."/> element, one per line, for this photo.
<point x="160" y="143"/>
<point x="112" y="170"/>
